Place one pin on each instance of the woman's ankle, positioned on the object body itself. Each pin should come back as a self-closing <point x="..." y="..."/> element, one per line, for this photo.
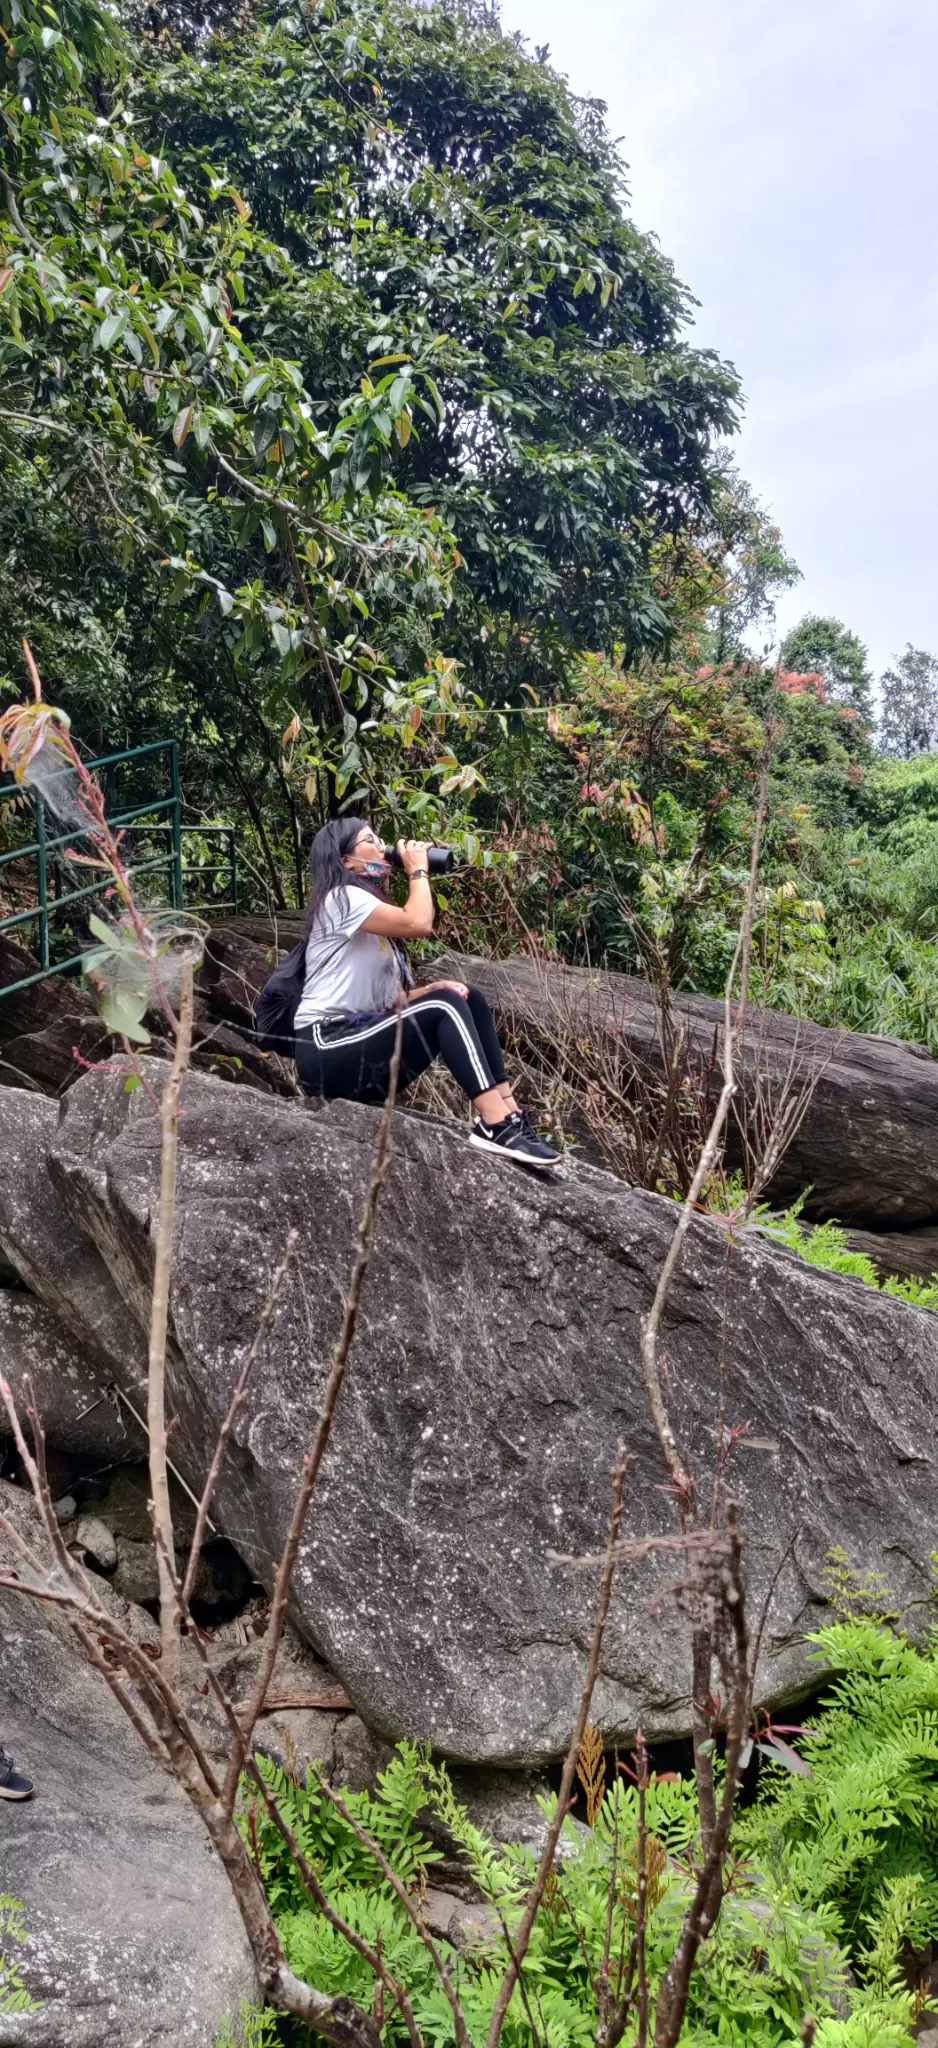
<point x="491" y="1106"/>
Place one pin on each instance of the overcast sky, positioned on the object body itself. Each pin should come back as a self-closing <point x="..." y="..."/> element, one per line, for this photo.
<point x="786" y="159"/>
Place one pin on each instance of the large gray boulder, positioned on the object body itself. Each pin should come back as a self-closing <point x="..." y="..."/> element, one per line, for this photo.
<point x="52" y="1257"/>
<point x="133" y="1935"/>
<point x="50" y="1030"/>
<point x="868" y="1145"/>
<point x="80" y="1413"/>
<point x="47" y="1029"/>
<point x="495" y="1371"/>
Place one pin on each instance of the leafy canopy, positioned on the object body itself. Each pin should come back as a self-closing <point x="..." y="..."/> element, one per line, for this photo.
<point x="909" y="723"/>
<point x="829" y="649"/>
<point x="340" y="397"/>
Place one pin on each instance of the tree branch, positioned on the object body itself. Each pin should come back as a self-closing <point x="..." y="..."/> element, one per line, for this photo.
<point x="159" y="1319"/>
<point x="224" y="1434"/>
<point x="546" y="1864"/>
<point x="311" y="619"/>
<point x="313" y="1461"/>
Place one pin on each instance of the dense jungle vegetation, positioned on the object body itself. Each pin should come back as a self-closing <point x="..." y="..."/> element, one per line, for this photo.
<point x="831" y="1892"/>
<point x="351" y="434"/>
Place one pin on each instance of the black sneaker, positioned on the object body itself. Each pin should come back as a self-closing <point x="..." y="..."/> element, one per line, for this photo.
<point x="13" y="1785"/>
<point x="514" y="1138"/>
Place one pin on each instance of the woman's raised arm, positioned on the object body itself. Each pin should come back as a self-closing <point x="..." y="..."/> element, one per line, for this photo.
<point x="413" y="919"/>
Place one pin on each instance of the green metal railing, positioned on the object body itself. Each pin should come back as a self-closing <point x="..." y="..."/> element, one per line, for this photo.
<point x="157" y="819"/>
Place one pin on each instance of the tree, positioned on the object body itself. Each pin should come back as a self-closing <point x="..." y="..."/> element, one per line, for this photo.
<point x="280" y="315"/>
<point x="747" y="549"/>
<point x="909" y="722"/>
<point x="444" y="197"/>
<point x="229" y="548"/>
<point x="826" y="647"/>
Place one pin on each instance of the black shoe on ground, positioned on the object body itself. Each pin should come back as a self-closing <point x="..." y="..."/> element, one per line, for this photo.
<point x="514" y="1138"/>
<point x="13" y="1784"/>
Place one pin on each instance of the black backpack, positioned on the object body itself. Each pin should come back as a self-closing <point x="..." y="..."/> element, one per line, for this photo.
<point x="276" y="1006"/>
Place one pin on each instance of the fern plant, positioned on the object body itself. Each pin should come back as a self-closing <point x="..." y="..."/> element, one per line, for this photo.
<point x="14" y="1996"/>
<point x="859" y="1837"/>
<point x="254" y="2028"/>
<point x="825" y="1245"/>
<point x="777" y="1948"/>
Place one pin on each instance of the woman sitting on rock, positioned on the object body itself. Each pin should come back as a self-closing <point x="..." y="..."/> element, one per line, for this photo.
<point x="357" y="980"/>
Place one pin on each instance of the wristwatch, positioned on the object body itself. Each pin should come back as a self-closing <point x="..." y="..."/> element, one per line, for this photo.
<point x="418" y="874"/>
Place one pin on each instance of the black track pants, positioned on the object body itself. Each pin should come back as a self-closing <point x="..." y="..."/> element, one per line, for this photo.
<point x="354" y="1060"/>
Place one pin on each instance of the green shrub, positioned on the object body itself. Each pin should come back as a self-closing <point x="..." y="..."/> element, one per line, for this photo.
<point x="13" y="1994"/>
<point x="825" y="1245"/>
<point x="780" y="1948"/>
<point x="255" y="2027"/>
<point x="858" y="1839"/>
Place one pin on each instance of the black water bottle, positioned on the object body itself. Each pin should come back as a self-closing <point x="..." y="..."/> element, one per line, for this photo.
<point x="440" y="859"/>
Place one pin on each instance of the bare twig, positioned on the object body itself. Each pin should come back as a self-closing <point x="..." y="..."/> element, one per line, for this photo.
<point x="700" y="1916"/>
<point x="308" y="608"/>
<point x="641" y="1898"/>
<point x="336" y="534"/>
<point x="403" y="1896"/>
<point x="636" y="1547"/>
<point x="159" y="1320"/>
<point x="546" y="1864"/>
<point x="369" y="1955"/>
<point x="681" y="1478"/>
<point x="266" y="1317"/>
<point x="9" y="199"/>
<point x="177" y="1475"/>
<point x="313" y="1461"/>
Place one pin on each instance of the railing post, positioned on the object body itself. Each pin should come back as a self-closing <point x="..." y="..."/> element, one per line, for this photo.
<point x="176" y="820"/>
<point x="233" y="854"/>
<point x="42" y="881"/>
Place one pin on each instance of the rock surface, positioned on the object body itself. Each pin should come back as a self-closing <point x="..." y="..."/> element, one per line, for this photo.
<point x="70" y="1395"/>
<point x="50" y="1028"/>
<point x="495" y="1371"/>
<point x="41" y="1026"/>
<point x="295" y="1736"/>
<point x="909" y="1254"/>
<point x="51" y="1255"/>
<point x="868" y="1145"/>
<point x="134" y="1939"/>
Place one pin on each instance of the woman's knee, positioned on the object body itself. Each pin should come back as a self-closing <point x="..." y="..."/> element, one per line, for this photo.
<point x="449" y="999"/>
<point x="477" y="1002"/>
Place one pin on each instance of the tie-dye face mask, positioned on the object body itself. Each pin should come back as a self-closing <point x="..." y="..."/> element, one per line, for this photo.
<point x="376" y="869"/>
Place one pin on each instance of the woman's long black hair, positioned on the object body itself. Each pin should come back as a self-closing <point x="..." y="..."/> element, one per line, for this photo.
<point x="328" y="870"/>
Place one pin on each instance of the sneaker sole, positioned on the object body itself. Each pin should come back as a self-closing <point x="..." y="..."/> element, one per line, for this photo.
<point x="515" y="1157"/>
<point x="6" y="1794"/>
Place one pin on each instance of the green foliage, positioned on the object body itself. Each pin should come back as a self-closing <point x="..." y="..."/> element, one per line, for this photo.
<point x="453" y="203"/>
<point x="281" y="314"/>
<point x="389" y="1816"/>
<point x="820" y="1244"/>
<point x="828" y="648"/>
<point x="774" y="1952"/>
<point x="825" y="1245"/>
<point x="856" y="1595"/>
<point x="254" y="2028"/>
<point x="859" y="1838"/>
<point x="14" y="1997"/>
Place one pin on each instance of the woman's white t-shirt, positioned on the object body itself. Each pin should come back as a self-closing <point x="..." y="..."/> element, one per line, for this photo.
<point x="347" y="970"/>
